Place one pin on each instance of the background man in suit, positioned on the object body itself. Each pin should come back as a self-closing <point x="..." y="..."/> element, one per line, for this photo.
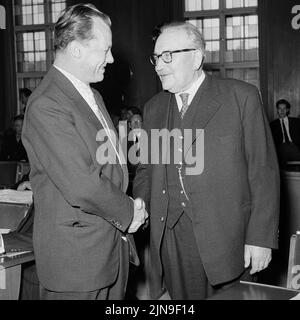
<point x="82" y="214"/>
<point x="286" y="133"/>
<point x="206" y="227"/>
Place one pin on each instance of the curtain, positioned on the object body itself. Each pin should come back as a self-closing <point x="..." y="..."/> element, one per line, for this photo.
<point x="8" y="88"/>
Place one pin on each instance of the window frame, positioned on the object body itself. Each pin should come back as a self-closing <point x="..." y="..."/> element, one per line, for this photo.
<point x="222" y="13"/>
<point x="48" y="28"/>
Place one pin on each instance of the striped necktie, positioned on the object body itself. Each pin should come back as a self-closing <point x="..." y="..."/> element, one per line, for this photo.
<point x="184" y="97"/>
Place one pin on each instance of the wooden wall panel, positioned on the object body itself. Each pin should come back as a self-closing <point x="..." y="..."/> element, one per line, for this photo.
<point x="280" y="60"/>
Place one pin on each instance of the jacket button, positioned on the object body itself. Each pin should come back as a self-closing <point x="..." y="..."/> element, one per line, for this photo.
<point x="162" y="219"/>
<point x="164" y="191"/>
<point x="183" y="204"/>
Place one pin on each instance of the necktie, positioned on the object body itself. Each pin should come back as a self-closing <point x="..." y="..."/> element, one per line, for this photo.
<point x="100" y="116"/>
<point x="184" y="97"/>
<point x="285" y="135"/>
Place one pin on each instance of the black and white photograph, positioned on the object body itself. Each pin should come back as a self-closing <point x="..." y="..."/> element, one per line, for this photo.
<point x="149" y="153"/>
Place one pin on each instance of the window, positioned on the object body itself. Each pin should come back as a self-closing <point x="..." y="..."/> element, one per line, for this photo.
<point x="34" y="24"/>
<point x="230" y="29"/>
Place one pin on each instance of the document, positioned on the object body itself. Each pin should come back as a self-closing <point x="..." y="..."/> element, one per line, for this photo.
<point x="14" y="196"/>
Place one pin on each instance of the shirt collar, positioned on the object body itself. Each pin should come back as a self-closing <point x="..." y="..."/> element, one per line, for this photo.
<point x="191" y="91"/>
<point x="84" y="89"/>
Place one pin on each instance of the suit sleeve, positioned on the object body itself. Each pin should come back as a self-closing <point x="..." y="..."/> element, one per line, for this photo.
<point x="141" y="183"/>
<point x="263" y="173"/>
<point x="52" y="138"/>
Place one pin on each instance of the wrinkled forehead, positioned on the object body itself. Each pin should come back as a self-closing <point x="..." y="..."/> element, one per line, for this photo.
<point x="173" y="39"/>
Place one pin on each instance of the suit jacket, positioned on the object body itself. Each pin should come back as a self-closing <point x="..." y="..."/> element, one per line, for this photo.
<point x="235" y="200"/>
<point x="81" y="210"/>
<point x="21" y="238"/>
<point x="294" y="129"/>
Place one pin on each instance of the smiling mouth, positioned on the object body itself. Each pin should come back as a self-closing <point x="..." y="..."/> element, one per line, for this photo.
<point x="163" y="75"/>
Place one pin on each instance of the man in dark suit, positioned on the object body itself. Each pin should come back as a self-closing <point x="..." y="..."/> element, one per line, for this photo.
<point x="83" y="217"/>
<point x="286" y="133"/>
<point x="213" y="197"/>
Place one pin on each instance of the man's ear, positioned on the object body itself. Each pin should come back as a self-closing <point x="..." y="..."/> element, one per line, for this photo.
<point x="75" y="49"/>
<point x="199" y="58"/>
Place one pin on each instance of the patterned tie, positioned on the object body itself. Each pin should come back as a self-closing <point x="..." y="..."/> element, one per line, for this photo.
<point x="184" y="97"/>
<point x="97" y="109"/>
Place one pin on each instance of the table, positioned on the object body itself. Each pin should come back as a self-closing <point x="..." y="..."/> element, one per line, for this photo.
<point x="10" y="274"/>
<point x="254" y="291"/>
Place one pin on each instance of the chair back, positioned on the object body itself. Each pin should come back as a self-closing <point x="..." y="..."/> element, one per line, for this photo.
<point x="293" y="276"/>
<point x="11" y="214"/>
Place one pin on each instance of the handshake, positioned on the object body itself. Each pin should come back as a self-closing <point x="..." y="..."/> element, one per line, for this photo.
<point x="140" y="215"/>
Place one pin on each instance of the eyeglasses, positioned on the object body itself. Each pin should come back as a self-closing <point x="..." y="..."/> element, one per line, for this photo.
<point x="166" y="56"/>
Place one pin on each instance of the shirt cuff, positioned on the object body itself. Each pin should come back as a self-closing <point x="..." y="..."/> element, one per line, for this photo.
<point x="2" y="249"/>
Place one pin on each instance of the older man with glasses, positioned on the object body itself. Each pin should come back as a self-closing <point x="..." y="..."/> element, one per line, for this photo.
<point x="212" y="227"/>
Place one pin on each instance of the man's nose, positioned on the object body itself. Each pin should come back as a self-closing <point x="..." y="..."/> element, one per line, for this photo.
<point x="109" y="57"/>
<point x="159" y="64"/>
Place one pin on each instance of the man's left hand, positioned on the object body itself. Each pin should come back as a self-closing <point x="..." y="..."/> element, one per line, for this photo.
<point x="259" y="257"/>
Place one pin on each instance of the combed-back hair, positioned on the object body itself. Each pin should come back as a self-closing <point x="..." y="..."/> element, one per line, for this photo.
<point x="195" y="35"/>
<point x="76" y="23"/>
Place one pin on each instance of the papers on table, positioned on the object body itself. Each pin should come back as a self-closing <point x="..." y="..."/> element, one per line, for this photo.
<point x="4" y="231"/>
<point x="14" y="196"/>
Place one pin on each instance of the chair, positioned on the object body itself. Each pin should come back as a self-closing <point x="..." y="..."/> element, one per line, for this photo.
<point x="11" y="214"/>
<point x="293" y="276"/>
<point x="8" y="173"/>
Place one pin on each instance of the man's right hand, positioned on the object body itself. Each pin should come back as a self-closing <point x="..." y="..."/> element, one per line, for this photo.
<point x="140" y="215"/>
<point x="24" y="186"/>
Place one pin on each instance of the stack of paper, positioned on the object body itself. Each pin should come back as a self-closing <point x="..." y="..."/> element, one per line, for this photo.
<point x="14" y="196"/>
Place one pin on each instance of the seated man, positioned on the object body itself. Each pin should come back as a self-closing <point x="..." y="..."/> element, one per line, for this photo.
<point x="286" y="133"/>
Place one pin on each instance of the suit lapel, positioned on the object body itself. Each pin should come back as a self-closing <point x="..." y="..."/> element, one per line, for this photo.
<point x="87" y="113"/>
<point x="206" y="105"/>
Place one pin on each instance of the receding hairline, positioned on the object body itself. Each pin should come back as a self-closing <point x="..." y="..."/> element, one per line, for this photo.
<point x="190" y="30"/>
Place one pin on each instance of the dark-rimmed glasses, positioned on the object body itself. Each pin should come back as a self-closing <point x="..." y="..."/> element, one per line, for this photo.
<point x="166" y="56"/>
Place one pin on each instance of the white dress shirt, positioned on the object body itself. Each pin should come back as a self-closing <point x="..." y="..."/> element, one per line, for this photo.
<point x="88" y="95"/>
<point x="285" y="122"/>
<point x="191" y="91"/>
